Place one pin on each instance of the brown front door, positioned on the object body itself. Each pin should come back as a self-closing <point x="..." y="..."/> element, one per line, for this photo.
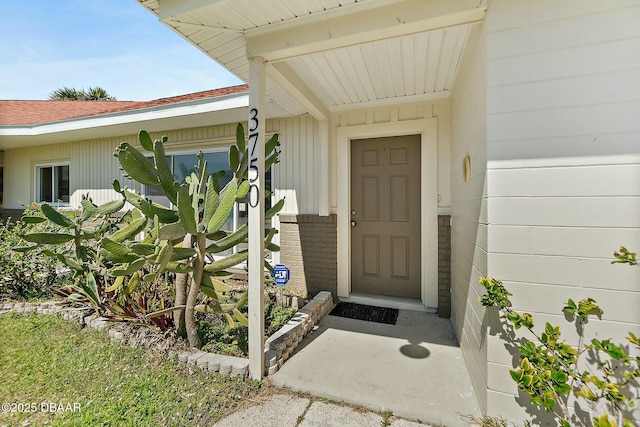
<point x="385" y="216"/>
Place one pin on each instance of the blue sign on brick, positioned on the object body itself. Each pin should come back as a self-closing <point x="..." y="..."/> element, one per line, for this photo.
<point x="280" y="274"/>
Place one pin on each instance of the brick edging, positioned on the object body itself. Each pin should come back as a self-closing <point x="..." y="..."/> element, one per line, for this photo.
<point x="282" y="344"/>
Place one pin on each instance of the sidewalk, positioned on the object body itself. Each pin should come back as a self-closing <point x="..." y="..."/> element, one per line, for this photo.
<point x="288" y="410"/>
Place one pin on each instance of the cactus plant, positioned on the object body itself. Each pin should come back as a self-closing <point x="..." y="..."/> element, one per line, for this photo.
<point x="118" y="274"/>
<point x="193" y="224"/>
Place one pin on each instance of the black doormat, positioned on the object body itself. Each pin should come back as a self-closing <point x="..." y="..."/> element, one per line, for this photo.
<point x="365" y="312"/>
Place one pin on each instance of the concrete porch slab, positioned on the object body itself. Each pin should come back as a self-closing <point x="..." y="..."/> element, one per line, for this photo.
<point x="414" y="368"/>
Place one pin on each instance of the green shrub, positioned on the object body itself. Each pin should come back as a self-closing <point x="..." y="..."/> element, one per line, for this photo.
<point x="548" y="369"/>
<point x="26" y="275"/>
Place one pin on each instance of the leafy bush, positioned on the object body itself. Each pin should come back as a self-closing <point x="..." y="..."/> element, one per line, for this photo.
<point x="549" y="369"/>
<point x="218" y="337"/>
<point x="26" y="276"/>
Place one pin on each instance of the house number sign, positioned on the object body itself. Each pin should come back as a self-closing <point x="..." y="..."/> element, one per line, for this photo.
<point x="254" y="166"/>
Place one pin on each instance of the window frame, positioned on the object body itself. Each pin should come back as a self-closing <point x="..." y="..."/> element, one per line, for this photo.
<point x="37" y="167"/>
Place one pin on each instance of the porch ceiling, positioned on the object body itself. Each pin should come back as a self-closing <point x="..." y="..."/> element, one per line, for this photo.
<point x="329" y="55"/>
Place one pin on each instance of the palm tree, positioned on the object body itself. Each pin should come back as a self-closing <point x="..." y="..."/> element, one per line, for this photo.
<point x="72" y="94"/>
<point x="98" y="94"/>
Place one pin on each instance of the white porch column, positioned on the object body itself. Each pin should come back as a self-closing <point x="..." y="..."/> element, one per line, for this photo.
<point x="324" y="168"/>
<point x="256" y="129"/>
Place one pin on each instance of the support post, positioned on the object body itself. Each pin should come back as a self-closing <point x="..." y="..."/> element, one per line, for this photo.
<point x="324" y="168"/>
<point x="256" y="129"/>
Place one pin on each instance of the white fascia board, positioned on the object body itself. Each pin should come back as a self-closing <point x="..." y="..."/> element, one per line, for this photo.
<point x="132" y="116"/>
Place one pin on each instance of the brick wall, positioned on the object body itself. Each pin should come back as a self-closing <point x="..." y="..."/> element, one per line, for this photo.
<point x="308" y="247"/>
<point x="444" y="266"/>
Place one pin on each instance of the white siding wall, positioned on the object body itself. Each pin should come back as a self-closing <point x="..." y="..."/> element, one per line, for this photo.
<point x="92" y="168"/>
<point x="563" y="102"/>
<point x="296" y="176"/>
<point x="469" y="208"/>
<point x="92" y="164"/>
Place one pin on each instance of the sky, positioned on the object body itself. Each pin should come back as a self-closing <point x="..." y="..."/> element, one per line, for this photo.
<point x="115" y="44"/>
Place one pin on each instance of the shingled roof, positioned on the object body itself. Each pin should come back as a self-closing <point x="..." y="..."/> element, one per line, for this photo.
<point x="27" y="113"/>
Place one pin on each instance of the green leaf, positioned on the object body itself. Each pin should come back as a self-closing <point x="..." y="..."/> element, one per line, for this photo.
<point x="243" y="190"/>
<point x="145" y="140"/>
<point x="110" y="207"/>
<point x="269" y="161"/>
<point x="562" y="389"/>
<point x="230" y="321"/>
<point x="559" y="377"/>
<point x="91" y="289"/>
<point x="136" y="165"/>
<point x="203" y="308"/>
<point x="33" y="219"/>
<point x="207" y="287"/>
<point x="127" y="232"/>
<point x="164" y="256"/>
<point x="240" y="142"/>
<point x="88" y="209"/>
<point x="182" y="253"/>
<point x="178" y="267"/>
<point x="143" y="249"/>
<point x="133" y="283"/>
<point x="244" y="162"/>
<point x="128" y="269"/>
<point x="185" y="210"/>
<point x="115" y="248"/>
<point x="271" y="144"/>
<point x="164" y="172"/>
<point x="229" y="241"/>
<point x="240" y="317"/>
<point x="274" y="209"/>
<point x="272" y="247"/>
<point x="48" y="238"/>
<point x="227" y="200"/>
<point x="211" y="200"/>
<point x="549" y="403"/>
<point x="116" y="286"/>
<point x="516" y="375"/>
<point x="26" y="248"/>
<point x="215" y="284"/>
<point x="234" y="158"/>
<point x="228" y="262"/>
<point x="149" y="277"/>
<point x="55" y="216"/>
<point x="172" y="231"/>
<point x="165" y="311"/>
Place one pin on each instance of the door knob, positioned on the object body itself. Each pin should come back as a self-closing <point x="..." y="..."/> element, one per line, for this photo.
<point x="353" y="223"/>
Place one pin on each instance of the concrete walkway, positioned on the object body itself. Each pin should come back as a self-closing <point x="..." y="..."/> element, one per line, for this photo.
<point x="288" y="410"/>
<point x="414" y="368"/>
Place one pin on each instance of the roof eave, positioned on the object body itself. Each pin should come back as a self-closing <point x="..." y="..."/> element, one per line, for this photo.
<point x="9" y="135"/>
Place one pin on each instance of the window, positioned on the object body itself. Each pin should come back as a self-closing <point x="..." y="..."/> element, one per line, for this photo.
<point x="52" y="183"/>
<point x="183" y="164"/>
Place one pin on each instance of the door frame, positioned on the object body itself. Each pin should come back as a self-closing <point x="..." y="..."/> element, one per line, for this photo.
<point x="428" y="131"/>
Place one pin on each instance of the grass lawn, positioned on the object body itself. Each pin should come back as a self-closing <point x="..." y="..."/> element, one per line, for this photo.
<point x="46" y="362"/>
